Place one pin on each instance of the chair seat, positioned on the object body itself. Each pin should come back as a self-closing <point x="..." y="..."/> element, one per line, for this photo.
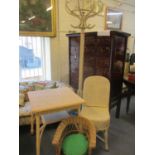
<point x="99" y="116"/>
<point x="75" y="144"/>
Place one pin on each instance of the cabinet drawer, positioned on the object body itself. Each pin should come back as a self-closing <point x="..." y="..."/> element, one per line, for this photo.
<point x="90" y="41"/>
<point x="74" y="50"/>
<point x="75" y="41"/>
<point x="103" y="41"/>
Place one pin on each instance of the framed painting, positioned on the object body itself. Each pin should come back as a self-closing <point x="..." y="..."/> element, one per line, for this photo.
<point x="37" y="17"/>
<point x="113" y="20"/>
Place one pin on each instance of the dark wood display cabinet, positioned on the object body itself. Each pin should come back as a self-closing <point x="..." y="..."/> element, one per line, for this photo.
<point x="104" y="55"/>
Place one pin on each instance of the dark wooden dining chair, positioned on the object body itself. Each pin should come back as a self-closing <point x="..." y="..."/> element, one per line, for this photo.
<point x="128" y="91"/>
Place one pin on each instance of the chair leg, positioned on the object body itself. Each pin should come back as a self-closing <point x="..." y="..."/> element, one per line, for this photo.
<point x="32" y="124"/>
<point x="128" y="103"/>
<point x="106" y="140"/>
<point x="42" y="128"/>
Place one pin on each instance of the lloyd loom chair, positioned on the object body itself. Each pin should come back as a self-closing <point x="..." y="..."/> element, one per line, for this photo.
<point x="96" y="92"/>
<point x="74" y="125"/>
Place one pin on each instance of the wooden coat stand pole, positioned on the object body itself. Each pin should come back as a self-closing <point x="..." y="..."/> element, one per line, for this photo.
<point x="83" y="10"/>
<point x="81" y="61"/>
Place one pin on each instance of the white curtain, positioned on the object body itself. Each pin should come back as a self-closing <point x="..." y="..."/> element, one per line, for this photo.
<point x="34" y="58"/>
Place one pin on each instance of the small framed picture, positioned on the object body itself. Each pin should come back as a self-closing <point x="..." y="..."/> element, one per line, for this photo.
<point x="113" y="20"/>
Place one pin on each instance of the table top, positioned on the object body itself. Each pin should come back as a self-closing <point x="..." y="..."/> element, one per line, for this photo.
<point x="53" y="99"/>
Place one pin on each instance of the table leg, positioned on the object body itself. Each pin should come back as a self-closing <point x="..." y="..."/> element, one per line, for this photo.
<point x="32" y="124"/>
<point x="37" y="135"/>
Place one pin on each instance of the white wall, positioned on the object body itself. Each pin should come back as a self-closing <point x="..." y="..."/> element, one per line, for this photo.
<point x="60" y="56"/>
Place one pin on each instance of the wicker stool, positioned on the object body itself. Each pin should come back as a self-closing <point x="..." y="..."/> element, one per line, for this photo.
<point x="74" y="125"/>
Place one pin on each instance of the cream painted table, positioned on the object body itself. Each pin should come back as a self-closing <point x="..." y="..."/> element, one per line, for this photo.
<point x="51" y="100"/>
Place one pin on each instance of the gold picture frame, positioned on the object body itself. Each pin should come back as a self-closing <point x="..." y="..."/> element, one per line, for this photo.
<point x="37" y="18"/>
<point x="113" y="19"/>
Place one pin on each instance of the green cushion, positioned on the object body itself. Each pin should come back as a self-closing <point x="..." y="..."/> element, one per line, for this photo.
<point x="75" y="144"/>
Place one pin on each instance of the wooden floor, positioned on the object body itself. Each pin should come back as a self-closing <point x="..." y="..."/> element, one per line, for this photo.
<point x="121" y="136"/>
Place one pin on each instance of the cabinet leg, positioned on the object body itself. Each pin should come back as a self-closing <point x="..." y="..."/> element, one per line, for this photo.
<point x="118" y="108"/>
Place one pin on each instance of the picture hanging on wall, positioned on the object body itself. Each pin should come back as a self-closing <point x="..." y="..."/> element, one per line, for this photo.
<point x="37" y="17"/>
<point x="113" y="20"/>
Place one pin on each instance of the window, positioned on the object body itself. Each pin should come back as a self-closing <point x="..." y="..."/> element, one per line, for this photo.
<point x="34" y="58"/>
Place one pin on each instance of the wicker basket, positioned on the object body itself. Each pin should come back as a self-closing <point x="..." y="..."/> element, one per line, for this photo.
<point x="74" y="125"/>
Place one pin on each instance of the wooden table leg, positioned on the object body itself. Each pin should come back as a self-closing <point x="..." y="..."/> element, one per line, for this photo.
<point x="32" y="124"/>
<point x="37" y="135"/>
